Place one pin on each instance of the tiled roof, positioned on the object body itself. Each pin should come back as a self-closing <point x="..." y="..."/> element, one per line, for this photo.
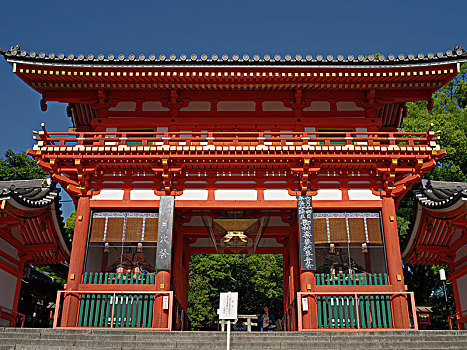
<point x="36" y="193"/>
<point x="440" y="194"/>
<point x="15" y="52"/>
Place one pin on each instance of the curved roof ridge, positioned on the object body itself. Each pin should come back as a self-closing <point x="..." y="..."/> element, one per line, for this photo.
<point x="457" y="54"/>
<point x="34" y="193"/>
<point x="440" y="194"/>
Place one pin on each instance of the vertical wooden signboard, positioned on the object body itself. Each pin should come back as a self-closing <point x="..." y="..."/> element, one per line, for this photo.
<point x="307" y="238"/>
<point x="164" y="234"/>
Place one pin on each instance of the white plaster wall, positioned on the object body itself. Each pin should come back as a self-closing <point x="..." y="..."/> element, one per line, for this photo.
<point x="328" y="194"/>
<point x="162" y="129"/>
<point x="143" y="194"/>
<point x="362" y="194"/>
<point x="318" y="106"/>
<point x="8" y="249"/>
<point x="109" y="194"/>
<point x="224" y="106"/>
<point x="278" y="195"/>
<point x="235" y="195"/>
<point x="270" y="106"/>
<point x="124" y="107"/>
<point x="153" y="106"/>
<point x="197" y="106"/>
<point x="193" y="195"/>
<point x="462" y="289"/>
<point x="7" y="290"/>
<point x="347" y="106"/>
<point x="460" y="254"/>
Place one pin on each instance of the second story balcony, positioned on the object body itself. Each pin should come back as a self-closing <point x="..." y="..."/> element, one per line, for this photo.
<point x="390" y="158"/>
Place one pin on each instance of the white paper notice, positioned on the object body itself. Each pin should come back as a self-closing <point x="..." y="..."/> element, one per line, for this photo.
<point x="228" y="305"/>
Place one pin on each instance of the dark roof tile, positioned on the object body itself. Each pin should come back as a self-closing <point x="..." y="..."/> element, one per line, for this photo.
<point x="440" y="194"/>
<point x="458" y="54"/>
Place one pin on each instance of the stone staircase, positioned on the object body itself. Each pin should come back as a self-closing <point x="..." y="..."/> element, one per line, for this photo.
<point x="61" y="339"/>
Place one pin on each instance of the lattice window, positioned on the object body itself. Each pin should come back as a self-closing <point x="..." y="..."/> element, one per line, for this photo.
<point x="134" y="229"/>
<point x="338" y="230"/>
<point x="374" y="230"/>
<point x="350" y="227"/>
<point x="150" y="230"/>
<point x="357" y="230"/>
<point x="118" y="227"/>
<point x="320" y="231"/>
<point x="97" y="230"/>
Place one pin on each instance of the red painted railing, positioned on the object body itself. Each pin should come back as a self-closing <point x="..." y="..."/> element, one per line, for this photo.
<point x="458" y="320"/>
<point x="337" y="140"/>
<point x="116" y="309"/>
<point x="354" y="310"/>
<point x="16" y="319"/>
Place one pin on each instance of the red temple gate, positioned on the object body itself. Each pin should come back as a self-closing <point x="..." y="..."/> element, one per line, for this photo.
<point x="173" y="156"/>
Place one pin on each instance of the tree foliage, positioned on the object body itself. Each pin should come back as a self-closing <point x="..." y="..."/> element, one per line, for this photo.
<point x="256" y="278"/>
<point x="19" y="166"/>
<point x="70" y="225"/>
<point x="449" y="116"/>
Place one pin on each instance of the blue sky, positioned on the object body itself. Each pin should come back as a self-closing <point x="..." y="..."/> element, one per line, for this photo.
<point x="165" y="27"/>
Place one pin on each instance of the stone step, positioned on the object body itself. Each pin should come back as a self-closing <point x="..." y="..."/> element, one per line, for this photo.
<point x="63" y="339"/>
<point x="247" y="338"/>
<point x="197" y="337"/>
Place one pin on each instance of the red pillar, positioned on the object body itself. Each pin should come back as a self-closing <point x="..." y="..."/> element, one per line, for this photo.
<point x="14" y="307"/>
<point x="78" y="253"/>
<point x="310" y="317"/>
<point x="294" y="266"/>
<point x="177" y="265"/>
<point x="186" y="278"/>
<point x="394" y="261"/>
<point x="285" y="280"/>
<point x="161" y="317"/>
<point x="455" y="291"/>
<point x="178" y="274"/>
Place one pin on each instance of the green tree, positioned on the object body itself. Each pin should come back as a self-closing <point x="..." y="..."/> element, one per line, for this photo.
<point x="19" y="166"/>
<point x="70" y="225"/>
<point x="256" y="278"/>
<point x="449" y="116"/>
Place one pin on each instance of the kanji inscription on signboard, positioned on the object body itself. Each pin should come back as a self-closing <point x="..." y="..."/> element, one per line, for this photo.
<point x="307" y="237"/>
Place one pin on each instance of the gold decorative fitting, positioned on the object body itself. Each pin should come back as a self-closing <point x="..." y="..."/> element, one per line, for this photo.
<point x="233" y="236"/>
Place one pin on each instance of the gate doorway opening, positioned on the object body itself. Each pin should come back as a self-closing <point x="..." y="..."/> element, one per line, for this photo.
<point x="258" y="279"/>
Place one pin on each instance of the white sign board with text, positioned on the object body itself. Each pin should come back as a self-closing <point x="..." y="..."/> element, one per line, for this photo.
<point x="228" y="305"/>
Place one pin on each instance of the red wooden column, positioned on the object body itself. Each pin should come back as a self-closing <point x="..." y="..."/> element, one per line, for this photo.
<point x="186" y="277"/>
<point x="294" y="267"/>
<point x="394" y="261"/>
<point x="307" y="283"/>
<point x="455" y="290"/>
<point x="163" y="259"/>
<point x="177" y="269"/>
<point x="285" y="279"/>
<point x="75" y="271"/>
<point x="14" y="307"/>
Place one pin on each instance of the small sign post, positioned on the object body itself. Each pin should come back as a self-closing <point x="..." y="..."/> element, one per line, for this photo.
<point x="228" y="305"/>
